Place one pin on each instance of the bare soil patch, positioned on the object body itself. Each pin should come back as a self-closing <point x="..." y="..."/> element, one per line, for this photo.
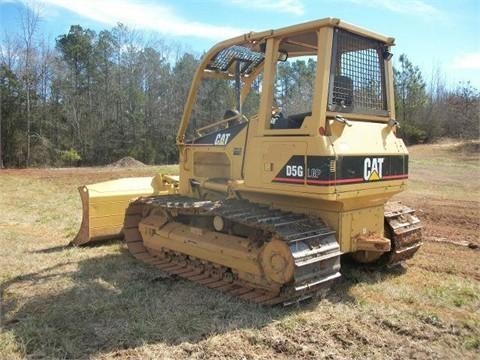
<point x="445" y="190"/>
<point x="456" y="221"/>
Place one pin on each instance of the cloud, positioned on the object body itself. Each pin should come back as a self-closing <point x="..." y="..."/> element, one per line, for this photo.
<point x="146" y="15"/>
<point x="415" y="7"/>
<point x="283" y="6"/>
<point x="469" y="61"/>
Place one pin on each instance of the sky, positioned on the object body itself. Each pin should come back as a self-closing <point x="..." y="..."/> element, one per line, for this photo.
<point x="439" y="36"/>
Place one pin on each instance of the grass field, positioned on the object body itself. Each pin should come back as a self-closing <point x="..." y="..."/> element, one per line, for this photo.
<point x="98" y="302"/>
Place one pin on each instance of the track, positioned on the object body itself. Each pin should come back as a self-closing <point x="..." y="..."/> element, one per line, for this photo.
<point x="312" y="244"/>
<point x="404" y="229"/>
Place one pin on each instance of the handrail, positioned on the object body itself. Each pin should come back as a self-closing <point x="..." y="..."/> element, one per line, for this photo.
<point x="223" y="121"/>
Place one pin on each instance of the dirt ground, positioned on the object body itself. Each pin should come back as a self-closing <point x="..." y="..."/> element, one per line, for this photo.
<point x="445" y="190"/>
<point x="98" y="302"/>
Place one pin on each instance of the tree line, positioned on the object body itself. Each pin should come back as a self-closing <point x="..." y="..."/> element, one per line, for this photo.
<point x="427" y="112"/>
<point x="97" y="97"/>
<point x="92" y="99"/>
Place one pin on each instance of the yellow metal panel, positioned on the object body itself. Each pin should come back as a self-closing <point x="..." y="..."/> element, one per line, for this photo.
<point x="265" y="109"/>
<point x="276" y="154"/>
<point x="325" y="40"/>
<point x="344" y="230"/>
<point x="214" y="247"/>
<point x="104" y="204"/>
<point x="211" y="165"/>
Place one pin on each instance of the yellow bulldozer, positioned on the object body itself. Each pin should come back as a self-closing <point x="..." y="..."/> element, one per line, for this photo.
<point x="281" y="180"/>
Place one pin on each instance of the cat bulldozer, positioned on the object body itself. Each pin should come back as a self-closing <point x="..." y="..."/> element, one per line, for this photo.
<point x="288" y="157"/>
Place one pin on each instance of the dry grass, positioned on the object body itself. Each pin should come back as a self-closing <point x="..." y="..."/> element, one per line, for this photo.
<point x="98" y="302"/>
<point x="446" y="170"/>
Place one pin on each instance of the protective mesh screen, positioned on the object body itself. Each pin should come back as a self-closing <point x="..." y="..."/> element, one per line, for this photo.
<point x="358" y="74"/>
<point x="249" y="59"/>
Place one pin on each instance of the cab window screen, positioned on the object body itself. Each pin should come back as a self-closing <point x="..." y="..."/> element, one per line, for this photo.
<point x="357" y="81"/>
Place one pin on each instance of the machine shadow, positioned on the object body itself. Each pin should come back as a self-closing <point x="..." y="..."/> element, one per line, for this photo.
<point x="49" y="250"/>
<point x="354" y="273"/>
<point x="115" y="302"/>
<point x="60" y="248"/>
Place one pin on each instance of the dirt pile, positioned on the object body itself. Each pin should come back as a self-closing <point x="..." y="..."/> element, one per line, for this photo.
<point x="127" y="161"/>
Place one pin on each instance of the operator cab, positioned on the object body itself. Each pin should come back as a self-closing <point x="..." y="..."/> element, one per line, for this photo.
<point x="292" y="80"/>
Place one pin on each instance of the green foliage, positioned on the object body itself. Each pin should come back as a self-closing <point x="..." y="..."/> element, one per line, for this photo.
<point x="111" y="94"/>
<point x="294" y="86"/>
<point x="410" y="99"/>
<point x="70" y="157"/>
<point x="412" y="134"/>
<point x="472" y="343"/>
<point x="13" y="123"/>
<point x="426" y="115"/>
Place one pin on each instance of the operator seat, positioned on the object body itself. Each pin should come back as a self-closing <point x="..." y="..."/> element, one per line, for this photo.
<point x="343" y="92"/>
<point x="234" y="114"/>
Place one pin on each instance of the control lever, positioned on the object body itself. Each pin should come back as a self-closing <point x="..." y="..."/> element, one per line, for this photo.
<point x="392" y="123"/>
<point x="342" y="120"/>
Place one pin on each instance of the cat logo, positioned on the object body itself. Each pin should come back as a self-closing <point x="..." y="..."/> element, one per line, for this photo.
<point x="222" y="139"/>
<point x="372" y="169"/>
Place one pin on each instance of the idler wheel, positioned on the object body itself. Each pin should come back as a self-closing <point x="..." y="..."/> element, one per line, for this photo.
<point x="277" y="262"/>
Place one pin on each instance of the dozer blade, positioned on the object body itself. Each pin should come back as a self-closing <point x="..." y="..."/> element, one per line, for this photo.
<point x="104" y="204"/>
